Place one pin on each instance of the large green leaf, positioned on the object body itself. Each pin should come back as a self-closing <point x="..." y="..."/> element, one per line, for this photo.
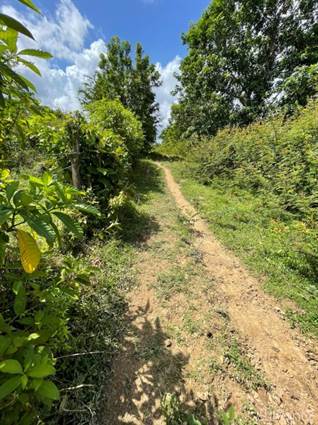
<point x="20" y="298"/>
<point x="21" y="81"/>
<point x="11" y="366"/>
<point x="37" y="53"/>
<point x="12" y="23"/>
<point x="4" y="327"/>
<point x="11" y="188"/>
<point x="22" y="198"/>
<point x="49" y="390"/>
<point x="72" y="225"/>
<point x="30" y="65"/>
<point x="88" y="209"/>
<point x="5" y="214"/>
<point x="9" y="386"/>
<point x="30" y="4"/>
<point x="41" y="371"/>
<point x="5" y="341"/>
<point x="39" y="223"/>
<point x="10" y="38"/>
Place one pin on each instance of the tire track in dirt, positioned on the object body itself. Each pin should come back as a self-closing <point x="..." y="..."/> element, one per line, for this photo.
<point x="279" y="350"/>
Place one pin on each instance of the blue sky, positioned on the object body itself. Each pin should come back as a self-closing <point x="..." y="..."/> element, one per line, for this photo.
<point x="75" y="32"/>
<point x="157" y="24"/>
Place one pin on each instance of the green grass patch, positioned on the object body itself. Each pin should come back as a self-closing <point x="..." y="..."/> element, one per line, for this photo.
<point x="171" y="282"/>
<point x="245" y="373"/>
<point x="271" y="242"/>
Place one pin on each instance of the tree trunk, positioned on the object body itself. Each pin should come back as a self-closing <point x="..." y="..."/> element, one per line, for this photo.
<point x="75" y="164"/>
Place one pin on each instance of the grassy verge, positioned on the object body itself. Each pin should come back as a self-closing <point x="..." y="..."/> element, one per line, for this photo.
<point x="271" y="242"/>
<point x="98" y="319"/>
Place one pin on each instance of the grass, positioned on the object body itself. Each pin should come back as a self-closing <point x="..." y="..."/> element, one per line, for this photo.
<point x="245" y="372"/>
<point x="190" y="325"/>
<point x="98" y="319"/>
<point x="97" y="323"/>
<point x="171" y="282"/>
<point x="273" y="244"/>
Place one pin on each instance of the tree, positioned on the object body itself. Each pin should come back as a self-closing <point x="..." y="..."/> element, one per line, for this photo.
<point x="119" y="77"/>
<point x="111" y="115"/>
<point x="143" y="99"/>
<point x="241" y="54"/>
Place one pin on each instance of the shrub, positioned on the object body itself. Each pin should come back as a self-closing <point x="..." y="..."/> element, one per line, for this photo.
<point x="112" y="115"/>
<point x="34" y="303"/>
<point x="275" y="156"/>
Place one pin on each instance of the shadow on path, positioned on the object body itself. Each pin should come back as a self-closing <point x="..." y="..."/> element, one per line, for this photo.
<point x="148" y="365"/>
<point x="144" y="371"/>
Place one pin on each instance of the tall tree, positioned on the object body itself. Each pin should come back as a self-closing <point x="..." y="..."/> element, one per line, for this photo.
<point x="243" y="56"/>
<point x="130" y="80"/>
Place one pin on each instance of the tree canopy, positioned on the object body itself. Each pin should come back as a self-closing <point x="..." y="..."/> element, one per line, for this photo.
<point x="130" y="80"/>
<point x="246" y="56"/>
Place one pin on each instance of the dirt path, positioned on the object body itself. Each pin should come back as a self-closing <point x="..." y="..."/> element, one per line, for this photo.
<point x="253" y="314"/>
<point x="200" y="326"/>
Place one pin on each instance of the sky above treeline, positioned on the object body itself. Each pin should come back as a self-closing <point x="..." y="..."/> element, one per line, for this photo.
<point x="75" y="32"/>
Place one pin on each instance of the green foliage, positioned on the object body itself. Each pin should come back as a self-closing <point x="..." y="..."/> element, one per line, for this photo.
<point x="36" y="203"/>
<point x="174" y="144"/>
<point x="16" y="92"/>
<point x="174" y="414"/>
<point x="111" y="116"/>
<point x="34" y="304"/>
<point x="244" y="59"/>
<point x="95" y="322"/>
<point x="48" y="312"/>
<point x="108" y="144"/>
<point x="227" y="417"/>
<point x="299" y="86"/>
<point x="272" y="156"/>
<point x="12" y="84"/>
<point x="130" y="82"/>
<point x="273" y="242"/>
<point x="32" y="328"/>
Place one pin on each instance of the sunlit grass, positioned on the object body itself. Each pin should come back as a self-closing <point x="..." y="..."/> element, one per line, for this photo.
<point x="276" y="247"/>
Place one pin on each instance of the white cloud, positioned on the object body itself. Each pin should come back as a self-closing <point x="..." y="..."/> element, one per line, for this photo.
<point x="164" y="96"/>
<point x="59" y="87"/>
<point x="64" y="36"/>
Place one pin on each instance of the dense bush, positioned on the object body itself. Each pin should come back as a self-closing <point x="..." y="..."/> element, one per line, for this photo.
<point x="101" y="150"/>
<point x="34" y="302"/>
<point x="112" y="115"/>
<point x="275" y="156"/>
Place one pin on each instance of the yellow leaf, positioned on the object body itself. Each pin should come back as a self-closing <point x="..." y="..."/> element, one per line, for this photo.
<point x="29" y="251"/>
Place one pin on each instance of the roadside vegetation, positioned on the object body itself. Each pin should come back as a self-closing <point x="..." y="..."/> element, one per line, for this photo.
<point x="87" y="226"/>
<point x="257" y="188"/>
<point x="247" y="147"/>
<point x="66" y="196"/>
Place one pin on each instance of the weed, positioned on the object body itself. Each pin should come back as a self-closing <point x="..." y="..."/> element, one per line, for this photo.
<point x="214" y="366"/>
<point x="191" y="325"/>
<point x="245" y="372"/>
<point x="171" y="282"/>
<point x="174" y="413"/>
